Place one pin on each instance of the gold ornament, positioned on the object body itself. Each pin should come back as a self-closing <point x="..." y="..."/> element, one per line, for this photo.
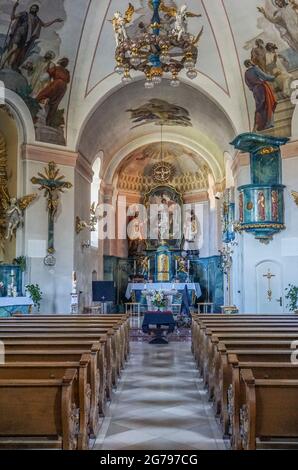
<point x="162" y="172"/>
<point x="295" y="197"/>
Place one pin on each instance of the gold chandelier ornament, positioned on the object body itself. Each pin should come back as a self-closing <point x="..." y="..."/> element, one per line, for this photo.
<point x="163" y="172"/>
<point x="164" y="47"/>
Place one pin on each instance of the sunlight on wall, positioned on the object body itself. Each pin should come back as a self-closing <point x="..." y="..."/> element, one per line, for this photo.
<point x="95" y="187"/>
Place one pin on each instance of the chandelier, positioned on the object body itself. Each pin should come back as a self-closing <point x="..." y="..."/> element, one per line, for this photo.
<point x="162" y="48"/>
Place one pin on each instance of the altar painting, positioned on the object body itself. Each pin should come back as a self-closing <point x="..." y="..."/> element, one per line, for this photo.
<point x="164" y="204"/>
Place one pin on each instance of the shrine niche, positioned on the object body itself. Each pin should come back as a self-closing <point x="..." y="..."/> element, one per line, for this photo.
<point x="164" y="209"/>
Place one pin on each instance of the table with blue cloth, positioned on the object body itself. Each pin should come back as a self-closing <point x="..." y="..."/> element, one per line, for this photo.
<point x="159" y="324"/>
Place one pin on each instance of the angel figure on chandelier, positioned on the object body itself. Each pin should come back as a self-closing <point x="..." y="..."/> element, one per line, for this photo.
<point x="181" y="19"/>
<point x="119" y="24"/>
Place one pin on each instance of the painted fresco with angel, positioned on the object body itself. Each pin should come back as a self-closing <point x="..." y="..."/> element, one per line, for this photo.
<point x="14" y="210"/>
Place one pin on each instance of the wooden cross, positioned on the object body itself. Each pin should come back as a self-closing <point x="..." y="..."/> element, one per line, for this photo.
<point x="269" y="276"/>
<point x="52" y="184"/>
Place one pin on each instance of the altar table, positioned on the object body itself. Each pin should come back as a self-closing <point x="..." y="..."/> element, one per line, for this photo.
<point x="12" y="305"/>
<point x="164" y="286"/>
<point x="158" y="323"/>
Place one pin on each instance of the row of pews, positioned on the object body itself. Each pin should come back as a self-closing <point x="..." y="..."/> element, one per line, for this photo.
<point x="58" y="374"/>
<point x="247" y="365"/>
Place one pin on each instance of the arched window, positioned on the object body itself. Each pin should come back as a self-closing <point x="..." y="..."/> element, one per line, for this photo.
<point x="95" y="187"/>
<point x="230" y="183"/>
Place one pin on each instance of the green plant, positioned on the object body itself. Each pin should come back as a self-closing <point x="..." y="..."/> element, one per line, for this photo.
<point x="35" y="294"/>
<point x="20" y="261"/>
<point x="292" y="297"/>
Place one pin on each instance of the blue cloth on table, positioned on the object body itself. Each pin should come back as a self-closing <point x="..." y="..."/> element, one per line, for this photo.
<point x="159" y="319"/>
<point x="185" y="310"/>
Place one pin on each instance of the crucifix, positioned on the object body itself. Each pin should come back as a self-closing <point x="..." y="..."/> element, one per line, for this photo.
<point x="269" y="276"/>
<point x="52" y="184"/>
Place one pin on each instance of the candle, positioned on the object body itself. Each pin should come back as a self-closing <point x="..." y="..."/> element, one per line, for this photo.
<point x="135" y="267"/>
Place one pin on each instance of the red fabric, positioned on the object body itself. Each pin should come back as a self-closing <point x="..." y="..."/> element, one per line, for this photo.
<point x="57" y="88"/>
<point x="270" y="100"/>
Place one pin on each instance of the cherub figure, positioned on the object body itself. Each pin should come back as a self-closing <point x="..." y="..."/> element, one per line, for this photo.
<point x="15" y="218"/>
<point x="181" y="19"/>
<point x="119" y="24"/>
<point x="14" y="209"/>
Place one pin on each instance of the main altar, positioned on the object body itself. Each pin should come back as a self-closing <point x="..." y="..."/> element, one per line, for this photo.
<point x="163" y="239"/>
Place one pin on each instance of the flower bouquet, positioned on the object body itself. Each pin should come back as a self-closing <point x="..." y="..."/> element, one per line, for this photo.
<point x="2" y="289"/>
<point x="159" y="300"/>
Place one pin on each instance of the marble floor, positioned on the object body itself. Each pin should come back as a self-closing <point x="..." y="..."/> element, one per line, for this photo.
<point x="160" y="404"/>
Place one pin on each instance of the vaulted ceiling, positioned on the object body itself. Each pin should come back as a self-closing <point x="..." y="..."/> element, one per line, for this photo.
<point x="96" y="103"/>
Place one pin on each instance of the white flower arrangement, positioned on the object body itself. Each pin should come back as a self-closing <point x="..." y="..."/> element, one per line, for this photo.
<point x="159" y="299"/>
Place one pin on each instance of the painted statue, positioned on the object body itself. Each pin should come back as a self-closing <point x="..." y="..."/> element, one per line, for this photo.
<point x="285" y="19"/>
<point x="23" y="35"/>
<point x="274" y="205"/>
<point x="14" y="210"/>
<point x="120" y="22"/>
<point x="181" y="19"/>
<point x="54" y="92"/>
<point x="40" y="77"/>
<point x="136" y="235"/>
<point x="258" y="54"/>
<point x="261" y="206"/>
<point x="191" y="232"/>
<point x="257" y="82"/>
<point x="276" y="65"/>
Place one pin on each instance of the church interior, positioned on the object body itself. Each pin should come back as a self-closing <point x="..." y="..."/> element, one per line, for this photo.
<point x="149" y="225"/>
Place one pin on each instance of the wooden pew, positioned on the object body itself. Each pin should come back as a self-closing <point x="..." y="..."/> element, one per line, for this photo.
<point x="96" y="349"/>
<point x="225" y="345"/>
<point x="119" y="321"/>
<point x="207" y="346"/>
<point x="225" y="375"/>
<point x="89" y="376"/>
<point x="199" y="341"/>
<point x="39" y="413"/>
<point x="198" y="320"/>
<point x="117" y="318"/>
<point x="118" y="340"/>
<point x="57" y="370"/>
<point x="104" y="336"/>
<point x="236" y="391"/>
<point x="270" y="411"/>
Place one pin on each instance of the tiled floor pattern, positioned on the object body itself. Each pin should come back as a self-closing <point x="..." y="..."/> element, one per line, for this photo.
<point x="160" y="404"/>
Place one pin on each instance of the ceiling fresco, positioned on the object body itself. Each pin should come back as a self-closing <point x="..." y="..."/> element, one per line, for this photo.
<point x="160" y="113"/>
<point x="64" y="69"/>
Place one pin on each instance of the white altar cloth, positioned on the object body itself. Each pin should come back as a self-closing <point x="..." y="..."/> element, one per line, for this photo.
<point x="164" y="286"/>
<point x="15" y="301"/>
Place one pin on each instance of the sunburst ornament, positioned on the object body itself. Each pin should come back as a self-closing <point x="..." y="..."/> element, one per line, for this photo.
<point x="162" y="172"/>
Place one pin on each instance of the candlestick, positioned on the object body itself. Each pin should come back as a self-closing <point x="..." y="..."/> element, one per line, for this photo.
<point x="74" y="283"/>
<point x="134" y="267"/>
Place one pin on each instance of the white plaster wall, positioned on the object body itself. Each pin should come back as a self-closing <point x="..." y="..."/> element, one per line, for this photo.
<point x="251" y="252"/>
<point x="55" y="282"/>
<point x="86" y="260"/>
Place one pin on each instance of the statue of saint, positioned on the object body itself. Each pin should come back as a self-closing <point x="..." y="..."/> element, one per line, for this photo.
<point x="261" y="206"/>
<point x="274" y="198"/>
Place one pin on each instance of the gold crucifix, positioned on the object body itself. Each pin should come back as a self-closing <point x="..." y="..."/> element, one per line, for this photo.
<point x="269" y="276"/>
<point x="52" y="183"/>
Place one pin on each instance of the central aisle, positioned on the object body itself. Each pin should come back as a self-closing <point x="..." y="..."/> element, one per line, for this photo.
<point x="160" y="404"/>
